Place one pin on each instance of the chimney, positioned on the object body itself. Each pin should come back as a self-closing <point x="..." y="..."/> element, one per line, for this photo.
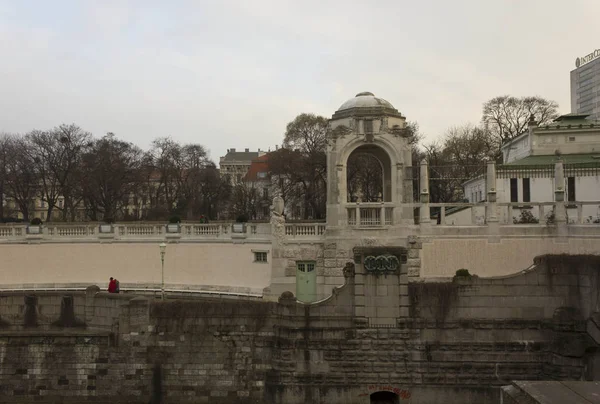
<point x="276" y="147"/>
<point x="247" y="150"/>
<point x="232" y="150"/>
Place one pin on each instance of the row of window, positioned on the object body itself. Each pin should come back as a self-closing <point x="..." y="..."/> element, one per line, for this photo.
<point x="526" y="188"/>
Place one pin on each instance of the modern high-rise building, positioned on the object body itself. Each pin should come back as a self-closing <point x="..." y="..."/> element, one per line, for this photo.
<point x="585" y="85"/>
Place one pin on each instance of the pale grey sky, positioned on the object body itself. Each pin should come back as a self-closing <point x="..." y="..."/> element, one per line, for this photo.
<point x="233" y="73"/>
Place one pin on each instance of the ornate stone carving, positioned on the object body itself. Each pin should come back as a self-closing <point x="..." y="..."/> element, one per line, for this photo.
<point x="382" y="263"/>
<point x="370" y="242"/>
<point x="349" y="270"/>
<point x="277" y="220"/>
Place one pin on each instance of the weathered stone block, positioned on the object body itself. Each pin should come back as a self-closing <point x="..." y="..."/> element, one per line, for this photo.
<point x="414" y="262"/>
<point x="291" y="253"/>
<point x="359" y="289"/>
<point x="342" y="253"/>
<point x="414" y="271"/>
<point x="329" y="254"/>
<point x="382" y="290"/>
<point x="330" y="263"/>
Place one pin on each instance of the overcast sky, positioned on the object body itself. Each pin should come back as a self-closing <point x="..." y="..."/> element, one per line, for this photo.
<point x="233" y="73"/>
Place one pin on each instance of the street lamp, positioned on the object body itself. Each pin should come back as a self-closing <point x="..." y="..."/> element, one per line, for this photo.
<point x="163" y="251"/>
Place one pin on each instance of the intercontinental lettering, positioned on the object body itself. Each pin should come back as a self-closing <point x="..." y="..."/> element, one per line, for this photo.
<point x="587" y="58"/>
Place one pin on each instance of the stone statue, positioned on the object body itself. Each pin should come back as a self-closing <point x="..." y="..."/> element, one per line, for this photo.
<point x="349" y="270"/>
<point x="277" y="220"/>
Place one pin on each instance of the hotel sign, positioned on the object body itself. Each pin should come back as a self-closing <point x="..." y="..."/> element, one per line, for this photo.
<point x="587" y="58"/>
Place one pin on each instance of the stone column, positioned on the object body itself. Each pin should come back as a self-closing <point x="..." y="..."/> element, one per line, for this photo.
<point x="278" y="262"/>
<point x="560" y="216"/>
<point x="491" y="208"/>
<point x="424" y="218"/>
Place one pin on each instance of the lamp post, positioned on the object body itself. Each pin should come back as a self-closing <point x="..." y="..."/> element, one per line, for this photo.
<point x="163" y="251"/>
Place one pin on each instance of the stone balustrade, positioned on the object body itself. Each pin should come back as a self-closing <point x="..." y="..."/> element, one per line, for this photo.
<point x="299" y="230"/>
<point x="134" y="231"/>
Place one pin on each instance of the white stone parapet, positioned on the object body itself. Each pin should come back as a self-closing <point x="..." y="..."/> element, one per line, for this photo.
<point x="133" y="232"/>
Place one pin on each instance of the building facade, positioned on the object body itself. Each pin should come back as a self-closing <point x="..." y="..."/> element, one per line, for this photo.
<point x="235" y="164"/>
<point x="527" y="175"/>
<point x="585" y="85"/>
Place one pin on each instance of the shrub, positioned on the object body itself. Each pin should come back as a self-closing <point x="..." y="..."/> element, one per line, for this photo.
<point x="174" y="219"/>
<point x="36" y="221"/>
<point x="241" y="218"/>
<point x="462" y="272"/>
<point x="109" y="220"/>
<point x="526" y="217"/>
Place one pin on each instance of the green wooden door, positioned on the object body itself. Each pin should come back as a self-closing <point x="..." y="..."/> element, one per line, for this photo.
<point x="306" y="282"/>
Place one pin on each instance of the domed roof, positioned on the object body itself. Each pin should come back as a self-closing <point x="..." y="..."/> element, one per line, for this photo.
<point x="365" y="100"/>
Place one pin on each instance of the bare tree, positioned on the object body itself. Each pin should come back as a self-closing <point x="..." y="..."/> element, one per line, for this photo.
<point x="245" y="199"/>
<point x="364" y="178"/>
<point x="110" y="176"/>
<point x="215" y="192"/>
<point x="506" y="117"/>
<point x="22" y="177"/>
<point x="299" y="169"/>
<point x="193" y="161"/>
<point x="4" y="149"/>
<point x="307" y="133"/>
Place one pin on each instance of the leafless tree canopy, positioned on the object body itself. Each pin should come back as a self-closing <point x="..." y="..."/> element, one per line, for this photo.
<point x="506" y="117"/>
<point x="64" y="168"/>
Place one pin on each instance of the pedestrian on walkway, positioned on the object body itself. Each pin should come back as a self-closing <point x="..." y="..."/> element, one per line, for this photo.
<point x="112" y="285"/>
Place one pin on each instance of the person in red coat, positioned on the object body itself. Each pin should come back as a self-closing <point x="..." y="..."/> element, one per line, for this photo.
<point x="112" y="286"/>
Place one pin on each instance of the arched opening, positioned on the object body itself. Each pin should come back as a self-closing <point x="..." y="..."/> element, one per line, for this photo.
<point x="368" y="175"/>
<point x="384" y="397"/>
<point x="364" y="178"/>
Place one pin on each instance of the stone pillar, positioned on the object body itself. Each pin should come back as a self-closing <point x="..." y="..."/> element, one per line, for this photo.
<point x="278" y="262"/>
<point x="560" y="215"/>
<point x="424" y="218"/>
<point x="491" y="208"/>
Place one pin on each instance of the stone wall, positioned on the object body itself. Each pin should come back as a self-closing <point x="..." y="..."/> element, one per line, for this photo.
<point x="452" y="340"/>
<point x="485" y="256"/>
<point x="201" y="264"/>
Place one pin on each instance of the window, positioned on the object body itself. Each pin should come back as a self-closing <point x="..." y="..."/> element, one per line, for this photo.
<point x="305" y="266"/>
<point x="266" y="193"/>
<point x="514" y="190"/>
<point x="571" y="138"/>
<point x="260" y="256"/>
<point x="526" y="190"/>
<point x="368" y="125"/>
<point x="60" y="203"/>
<point x="571" y="189"/>
<point x="480" y="197"/>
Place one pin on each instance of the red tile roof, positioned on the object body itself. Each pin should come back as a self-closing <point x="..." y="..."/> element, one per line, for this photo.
<point x="258" y="165"/>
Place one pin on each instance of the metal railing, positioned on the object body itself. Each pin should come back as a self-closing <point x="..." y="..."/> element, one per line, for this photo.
<point x="510" y="213"/>
<point x="370" y="214"/>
